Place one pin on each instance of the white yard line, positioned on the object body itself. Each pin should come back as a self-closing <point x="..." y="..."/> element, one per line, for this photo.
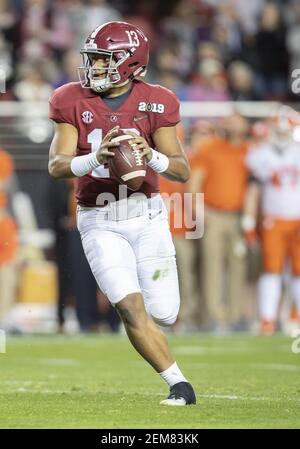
<point x="23" y="383"/>
<point x="276" y="366"/>
<point x="191" y="350"/>
<point x="27" y="390"/>
<point x="232" y="397"/>
<point x="265" y="366"/>
<point x="226" y="397"/>
<point x="58" y="362"/>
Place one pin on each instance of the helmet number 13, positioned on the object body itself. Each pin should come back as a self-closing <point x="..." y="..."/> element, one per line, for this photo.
<point x="133" y="38"/>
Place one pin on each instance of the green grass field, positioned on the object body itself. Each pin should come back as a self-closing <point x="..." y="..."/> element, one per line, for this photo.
<point x="100" y="382"/>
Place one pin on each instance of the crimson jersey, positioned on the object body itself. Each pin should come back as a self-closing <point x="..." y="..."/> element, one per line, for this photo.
<point x="147" y="108"/>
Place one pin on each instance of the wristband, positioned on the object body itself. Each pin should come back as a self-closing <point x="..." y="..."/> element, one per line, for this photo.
<point x="159" y="162"/>
<point x="81" y="165"/>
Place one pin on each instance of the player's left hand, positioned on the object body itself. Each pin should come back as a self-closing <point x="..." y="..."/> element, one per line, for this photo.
<point x="138" y="142"/>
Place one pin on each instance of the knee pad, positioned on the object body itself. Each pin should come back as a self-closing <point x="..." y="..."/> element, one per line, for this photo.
<point x="162" y="315"/>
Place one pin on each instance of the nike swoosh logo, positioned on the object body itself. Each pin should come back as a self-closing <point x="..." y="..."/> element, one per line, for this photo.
<point x="141" y="117"/>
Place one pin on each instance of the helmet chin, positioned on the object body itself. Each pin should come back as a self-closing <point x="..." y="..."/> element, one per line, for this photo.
<point x="104" y="85"/>
<point x="100" y="86"/>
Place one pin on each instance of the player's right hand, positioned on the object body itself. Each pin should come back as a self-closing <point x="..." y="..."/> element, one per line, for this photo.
<point x="251" y="239"/>
<point x="103" y="152"/>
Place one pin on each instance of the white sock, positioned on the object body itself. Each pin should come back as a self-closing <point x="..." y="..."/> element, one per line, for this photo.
<point x="269" y="293"/>
<point x="173" y="375"/>
<point x="295" y="291"/>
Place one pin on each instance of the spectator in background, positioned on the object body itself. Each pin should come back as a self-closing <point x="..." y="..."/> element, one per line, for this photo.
<point x="181" y="30"/>
<point x="58" y="36"/>
<point x="6" y="70"/>
<point x="226" y="32"/>
<point x="98" y="11"/>
<point x="202" y="131"/>
<point x="219" y="171"/>
<point x="241" y="86"/>
<point x="208" y="84"/>
<point x="171" y="80"/>
<point x="271" y="54"/>
<point x="45" y="30"/>
<point x="208" y="50"/>
<point x="248" y="13"/>
<point x="293" y="36"/>
<point x="34" y="23"/>
<point x="204" y="13"/>
<point x="167" y="58"/>
<point x="71" y="61"/>
<point x="87" y="15"/>
<point x="33" y="84"/>
<point x="8" y="240"/>
<point x="8" y="22"/>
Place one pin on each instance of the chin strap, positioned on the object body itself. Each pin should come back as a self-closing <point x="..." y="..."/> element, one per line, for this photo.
<point x="98" y="88"/>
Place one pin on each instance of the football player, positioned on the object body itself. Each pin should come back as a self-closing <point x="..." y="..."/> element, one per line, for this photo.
<point x="132" y="258"/>
<point x="275" y="188"/>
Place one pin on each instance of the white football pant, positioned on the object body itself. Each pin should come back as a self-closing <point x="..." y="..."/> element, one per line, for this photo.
<point x="129" y="255"/>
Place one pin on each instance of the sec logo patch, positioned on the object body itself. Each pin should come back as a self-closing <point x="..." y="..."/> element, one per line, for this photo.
<point x="87" y="117"/>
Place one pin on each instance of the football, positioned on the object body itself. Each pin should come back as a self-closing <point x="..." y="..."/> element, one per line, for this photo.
<point x="127" y="165"/>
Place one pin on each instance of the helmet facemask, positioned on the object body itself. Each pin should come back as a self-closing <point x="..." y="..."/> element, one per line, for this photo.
<point x="283" y="127"/>
<point x="87" y="72"/>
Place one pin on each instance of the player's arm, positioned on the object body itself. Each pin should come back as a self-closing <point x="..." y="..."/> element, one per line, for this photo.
<point x="251" y="210"/>
<point x="170" y="159"/>
<point x="167" y="142"/>
<point x="62" y="160"/>
<point x="252" y="199"/>
<point x="62" y="150"/>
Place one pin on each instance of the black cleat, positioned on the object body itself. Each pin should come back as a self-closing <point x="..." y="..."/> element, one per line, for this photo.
<point x="180" y="394"/>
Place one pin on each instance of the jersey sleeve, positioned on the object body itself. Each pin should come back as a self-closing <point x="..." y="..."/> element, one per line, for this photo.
<point x="60" y="109"/>
<point x="169" y="106"/>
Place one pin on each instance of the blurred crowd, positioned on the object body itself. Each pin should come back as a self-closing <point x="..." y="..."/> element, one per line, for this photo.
<point x="204" y="50"/>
